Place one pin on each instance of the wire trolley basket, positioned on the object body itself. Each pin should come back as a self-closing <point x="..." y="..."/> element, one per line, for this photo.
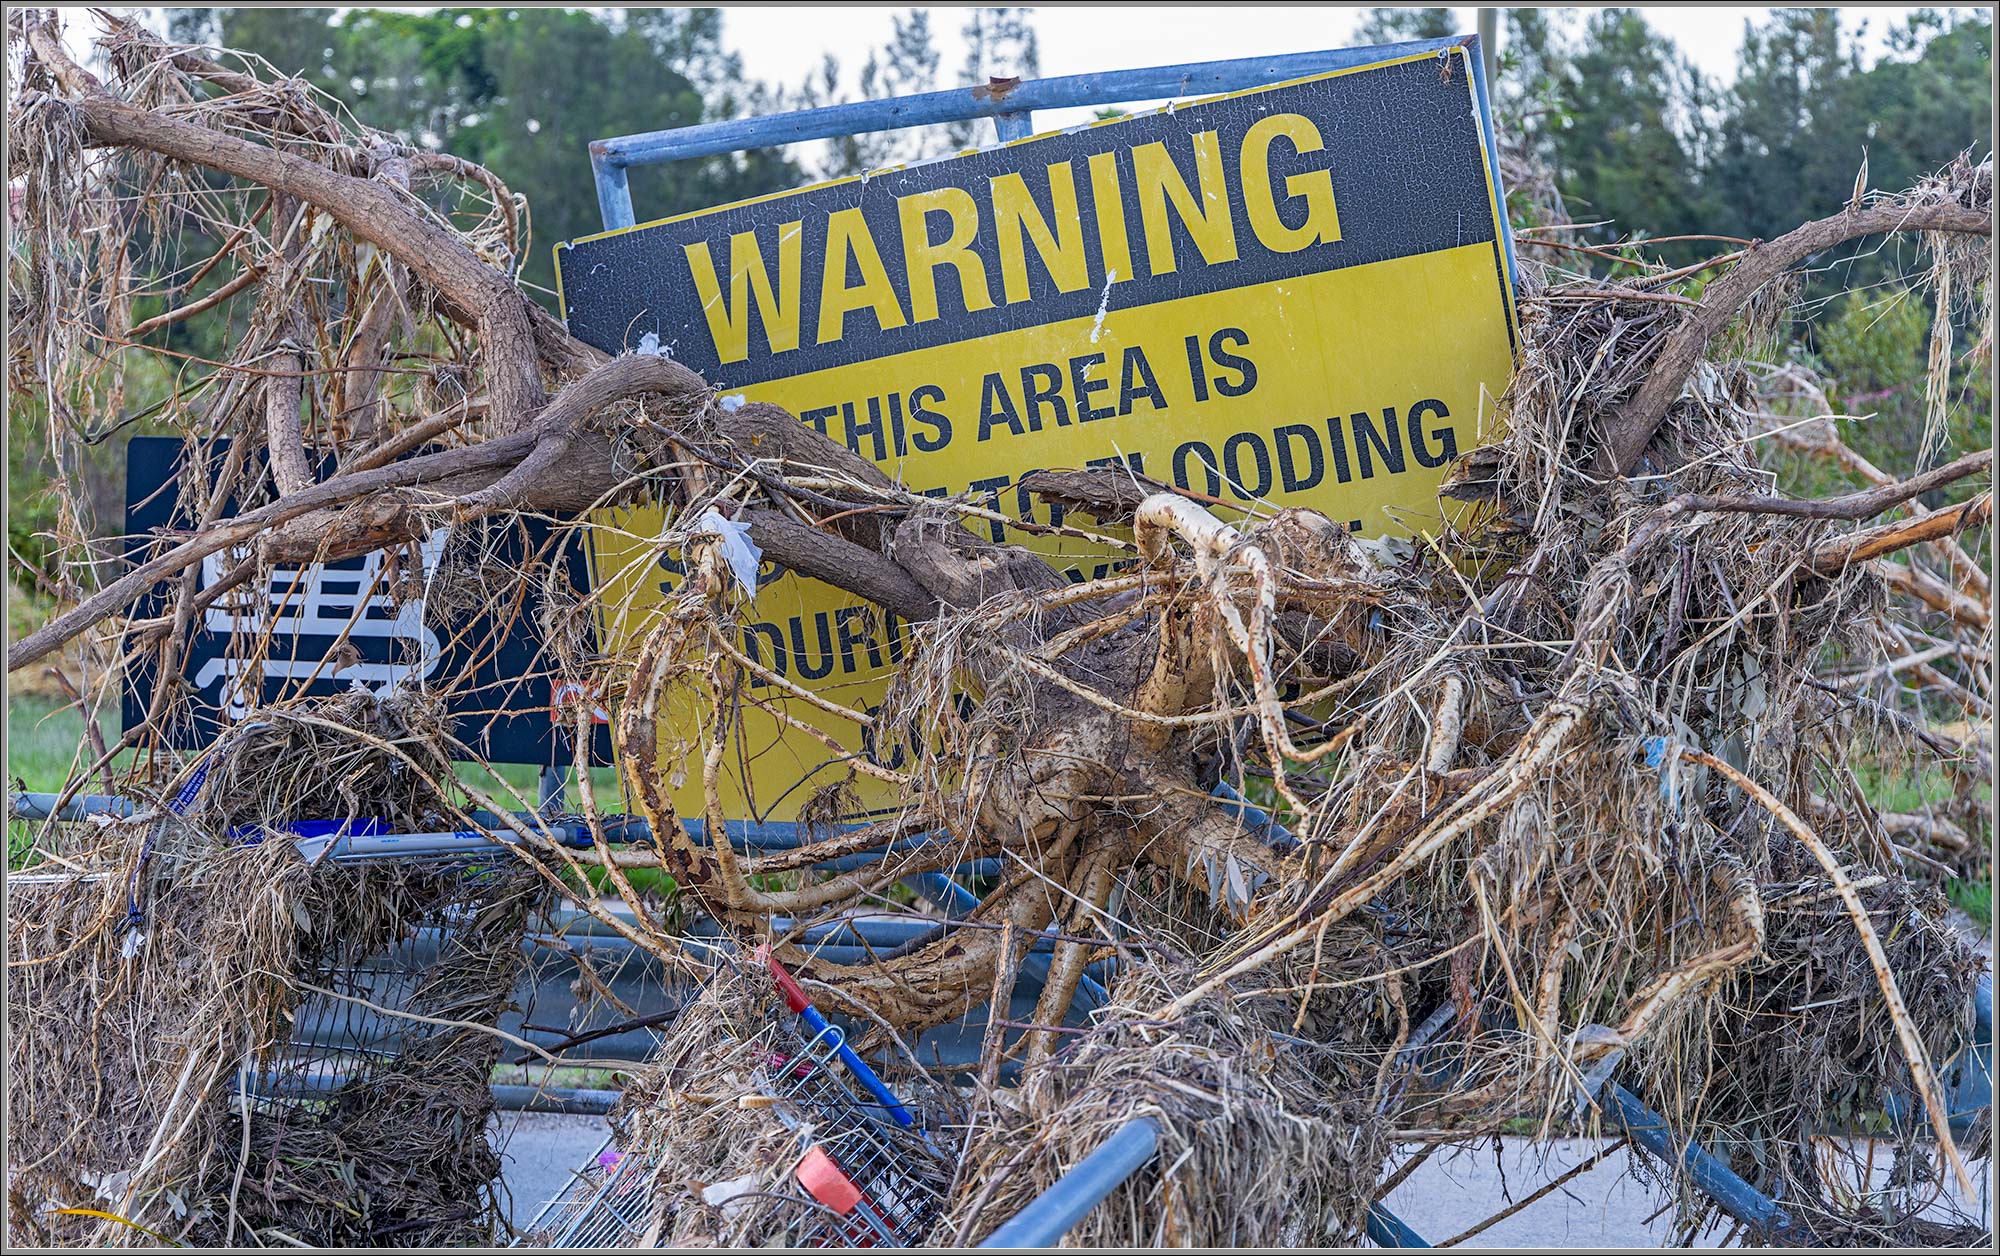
<point x="869" y="1175"/>
<point x="869" y="1182"/>
<point x="865" y="1174"/>
<point x="607" y="1205"/>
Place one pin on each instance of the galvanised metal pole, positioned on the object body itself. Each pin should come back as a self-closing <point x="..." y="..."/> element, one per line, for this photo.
<point x="1489" y="43"/>
<point x="1715" y="1179"/>
<point x="509" y="1096"/>
<point x="1010" y="104"/>
<point x="1057" y="1210"/>
<point x="33" y="806"/>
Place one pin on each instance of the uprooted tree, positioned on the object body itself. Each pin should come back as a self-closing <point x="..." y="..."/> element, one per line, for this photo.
<point x="1573" y="767"/>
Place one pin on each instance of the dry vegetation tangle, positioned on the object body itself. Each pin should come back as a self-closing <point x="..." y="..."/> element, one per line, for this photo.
<point x="1580" y="768"/>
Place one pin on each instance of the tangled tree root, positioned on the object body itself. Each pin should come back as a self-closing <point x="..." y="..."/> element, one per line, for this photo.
<point x="1581" y="764"/>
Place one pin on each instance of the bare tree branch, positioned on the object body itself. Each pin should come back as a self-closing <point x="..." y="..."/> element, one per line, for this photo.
<point x="1831" y="556"/>
<point x="1860" y="505"/>
<point x="1633" y="428"/>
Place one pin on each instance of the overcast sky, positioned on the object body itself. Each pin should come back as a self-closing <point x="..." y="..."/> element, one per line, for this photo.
<point x="785" y="43"/>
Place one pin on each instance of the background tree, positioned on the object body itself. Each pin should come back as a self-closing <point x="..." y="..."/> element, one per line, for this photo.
<point x="1636" y="136"/>
<point x="906" y="65"/>
<point x="1632" y="123"/>
<point x="503" y="87"/>
<point x="1391" y="26"/>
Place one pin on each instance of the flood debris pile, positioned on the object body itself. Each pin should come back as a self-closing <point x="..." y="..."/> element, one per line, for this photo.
<point x="1772" y="1080"/>
<point x="1273" y="1139"/>
<point x="216" y="1042"/>
<point x="120" y="1065"/>
<point x="1567" y="784"/>
<point x="712" y="1161"/>
<point x="355" y="757"/>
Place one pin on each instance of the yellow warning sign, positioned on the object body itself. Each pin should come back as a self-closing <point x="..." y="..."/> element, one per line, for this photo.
<point x="1298" y="295"/>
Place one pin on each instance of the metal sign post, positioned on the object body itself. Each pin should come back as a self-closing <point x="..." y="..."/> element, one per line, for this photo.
<point x="1010" y="103"/>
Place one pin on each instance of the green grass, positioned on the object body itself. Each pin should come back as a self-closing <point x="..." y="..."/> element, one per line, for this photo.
<point x="581" y="1077"/>
<point x="44" y="734"/>
<point x="1974" y="898"/>
<point x="1901" y="789"/>
<point x="1907" y="790"/>
<point x="45" y="741"/>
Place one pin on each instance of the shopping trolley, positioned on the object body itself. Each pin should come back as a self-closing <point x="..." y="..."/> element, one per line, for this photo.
<point x="864" y="1172"/>
<point x="868" y="1172"/>
<point x="607" y="1205"/>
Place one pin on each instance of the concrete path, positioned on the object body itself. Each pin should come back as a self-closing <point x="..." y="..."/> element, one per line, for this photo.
<point x="539" y="1152"/>
<point x="1607" y="1206"/>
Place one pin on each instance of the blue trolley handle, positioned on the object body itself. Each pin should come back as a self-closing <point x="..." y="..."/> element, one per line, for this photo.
<point x="795" y="998"/>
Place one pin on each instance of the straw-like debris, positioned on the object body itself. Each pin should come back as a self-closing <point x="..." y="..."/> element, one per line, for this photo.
<point x="395" y="1151"/>
<point x="1266" y="1139"/>
<point x="697" y="1116"/>
<point x="197" y="1051"/>
<point x="1574" y="780"/>
<point x="127" y="1033"/>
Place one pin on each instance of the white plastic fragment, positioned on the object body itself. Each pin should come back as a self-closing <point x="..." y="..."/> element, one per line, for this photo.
<point x="720" y="1194"/>
<point x="1386" y="551"/>
<point x="650" y="346"/>
<point x="110" y="1186"/>
<point x="738" y="550"/>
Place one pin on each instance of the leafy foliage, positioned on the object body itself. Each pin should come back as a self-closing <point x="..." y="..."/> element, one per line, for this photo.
<point x="1636" y="135"/>
<point x="523" y="91"/>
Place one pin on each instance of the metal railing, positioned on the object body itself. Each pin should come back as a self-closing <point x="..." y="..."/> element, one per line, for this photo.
<point x="1011" y="103"/>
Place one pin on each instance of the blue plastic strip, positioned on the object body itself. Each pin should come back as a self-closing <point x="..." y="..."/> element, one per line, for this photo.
<point x="192" y="790"/>
<point x="134" y="914"/>
<point x="309" y="830"/>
